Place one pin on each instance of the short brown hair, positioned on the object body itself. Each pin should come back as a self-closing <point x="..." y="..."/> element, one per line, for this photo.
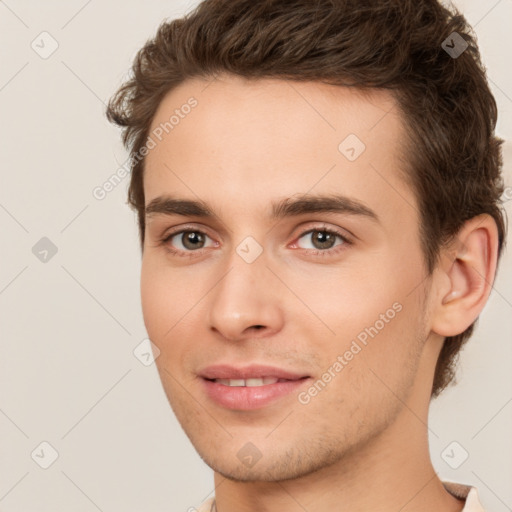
<point x="450" y="113"/>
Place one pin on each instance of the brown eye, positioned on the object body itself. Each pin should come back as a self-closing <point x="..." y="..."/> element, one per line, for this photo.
<point x="192" y="240"/>
<point x="186" y="241"/>
<point x="323" y="239"/>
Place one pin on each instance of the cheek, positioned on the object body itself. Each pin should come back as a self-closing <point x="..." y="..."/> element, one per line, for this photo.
<point x="162" y="301"/>
<point x="383" y="371"/>
<point x="372" y="316"/>
<point x="153" y="299"/>
<point x="170" y="310"/>
<point x="346" y="302"/>
<point x="362" y="385"/>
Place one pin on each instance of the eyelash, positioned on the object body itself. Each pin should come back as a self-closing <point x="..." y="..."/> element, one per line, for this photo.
<point x="315" y="252"/>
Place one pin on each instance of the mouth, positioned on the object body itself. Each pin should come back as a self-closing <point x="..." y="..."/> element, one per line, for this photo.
<point x="250" y="387"/>
<point x="249" y="383"/>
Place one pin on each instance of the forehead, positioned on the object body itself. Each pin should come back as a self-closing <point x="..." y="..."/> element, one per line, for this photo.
<point x="291" y="110"/>
<point x="271" y="137"/>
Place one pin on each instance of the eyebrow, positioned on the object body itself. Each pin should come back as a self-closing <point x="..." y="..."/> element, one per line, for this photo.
<point x="288" y="207"/>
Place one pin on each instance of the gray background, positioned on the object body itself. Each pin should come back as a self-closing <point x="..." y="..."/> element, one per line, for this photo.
<point x="69" y="325"/>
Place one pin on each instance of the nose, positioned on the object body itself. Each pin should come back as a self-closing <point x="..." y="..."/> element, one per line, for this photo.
<point x="244" y="303"/>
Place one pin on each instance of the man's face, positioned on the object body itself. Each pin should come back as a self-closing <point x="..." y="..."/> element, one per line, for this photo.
<point x="328" y="302"/>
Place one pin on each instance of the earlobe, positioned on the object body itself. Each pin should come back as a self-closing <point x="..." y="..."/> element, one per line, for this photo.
<point x="465" y="276"/>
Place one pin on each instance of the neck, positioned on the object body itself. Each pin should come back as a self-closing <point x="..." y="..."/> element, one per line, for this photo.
<point x="381" y="476"/>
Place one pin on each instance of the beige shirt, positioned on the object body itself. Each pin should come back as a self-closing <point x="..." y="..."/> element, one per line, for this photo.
<point x="466" y="492"/>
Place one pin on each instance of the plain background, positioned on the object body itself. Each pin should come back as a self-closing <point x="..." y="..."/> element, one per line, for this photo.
<point x="69" y="326"/>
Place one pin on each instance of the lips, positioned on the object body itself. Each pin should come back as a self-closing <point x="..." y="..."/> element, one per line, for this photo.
<point x="249" y="387"/>
<point x="248" y="372"/>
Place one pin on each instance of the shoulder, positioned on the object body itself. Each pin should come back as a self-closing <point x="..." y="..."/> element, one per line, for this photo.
<point x="467" y="493"/>
<point x="207" y="506"/>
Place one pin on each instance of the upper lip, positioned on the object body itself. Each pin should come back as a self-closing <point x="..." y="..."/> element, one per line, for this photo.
<point x="254" y="371"/>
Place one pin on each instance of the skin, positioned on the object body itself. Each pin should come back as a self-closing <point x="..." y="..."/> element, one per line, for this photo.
<point x="361" y="443"/>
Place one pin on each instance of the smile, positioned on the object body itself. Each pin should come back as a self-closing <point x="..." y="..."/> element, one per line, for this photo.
<point x="247" y="388"/>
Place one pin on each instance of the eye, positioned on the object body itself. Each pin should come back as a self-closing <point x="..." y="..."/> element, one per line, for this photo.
<point x="323" y="240"/>
<point x="190" y="242"/>
<point x="186" y="241"/>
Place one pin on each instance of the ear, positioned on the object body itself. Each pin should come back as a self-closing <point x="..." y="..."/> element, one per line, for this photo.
<point x="464" y="276"/>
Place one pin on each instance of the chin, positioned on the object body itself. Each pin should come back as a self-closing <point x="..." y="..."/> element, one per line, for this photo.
<point x="275" y="467"/>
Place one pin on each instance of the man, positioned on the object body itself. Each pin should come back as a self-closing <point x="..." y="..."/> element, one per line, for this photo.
<point x="317" y="187"/>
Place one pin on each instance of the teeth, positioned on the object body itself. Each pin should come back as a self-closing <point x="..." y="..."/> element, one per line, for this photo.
<point x="253" y="382"/>
<point x="236" y="382"/>
<point x="250" y="383"/>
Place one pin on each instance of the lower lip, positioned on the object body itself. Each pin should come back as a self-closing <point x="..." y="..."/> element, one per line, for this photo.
<point x="246" y="398"/>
